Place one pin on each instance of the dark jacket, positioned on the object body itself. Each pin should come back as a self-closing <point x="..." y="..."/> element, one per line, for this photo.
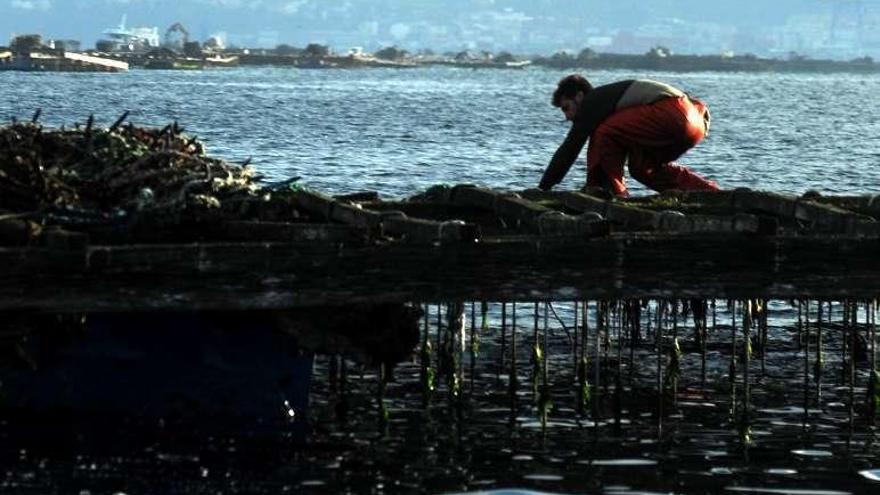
<point x="597" y="105"/>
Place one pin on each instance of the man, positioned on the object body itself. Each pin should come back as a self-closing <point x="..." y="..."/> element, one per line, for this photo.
<point x="644" y="123"/>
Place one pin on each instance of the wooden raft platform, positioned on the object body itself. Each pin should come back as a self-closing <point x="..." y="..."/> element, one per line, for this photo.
<point x="468" y="243"/>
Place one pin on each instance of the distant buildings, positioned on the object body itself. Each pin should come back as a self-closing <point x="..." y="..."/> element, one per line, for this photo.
<point x="137" y="39"/>
<point x="838" y="29"/>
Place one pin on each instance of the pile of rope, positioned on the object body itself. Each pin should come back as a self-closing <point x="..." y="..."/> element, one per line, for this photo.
<point x="99" y="176"/>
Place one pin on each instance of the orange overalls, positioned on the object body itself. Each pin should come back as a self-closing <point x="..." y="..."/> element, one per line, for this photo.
<point x="649" y="138"/>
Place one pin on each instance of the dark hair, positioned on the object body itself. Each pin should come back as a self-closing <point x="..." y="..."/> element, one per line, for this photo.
<point x="569" y="86"/>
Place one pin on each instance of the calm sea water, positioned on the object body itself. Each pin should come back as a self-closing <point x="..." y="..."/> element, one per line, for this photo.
<point x="399" y="132"/>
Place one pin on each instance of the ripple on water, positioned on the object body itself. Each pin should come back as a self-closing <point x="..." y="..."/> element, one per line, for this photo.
<point x="871" y="474"/>
<point x="543" y="477"/>
<point x="784" y="491"/>
<point x="506" y="491"/>
<point x="812" y="453"/>
<point x="781" y="471"/>
<point x="723" y="471"/>
<point x="619" y="462"/>
<point x="628" y="492"/>
<point x="550" y="424"/>
<point x="312" y="483"/>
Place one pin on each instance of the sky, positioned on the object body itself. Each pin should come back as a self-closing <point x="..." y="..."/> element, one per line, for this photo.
<point x="343" y="22"/>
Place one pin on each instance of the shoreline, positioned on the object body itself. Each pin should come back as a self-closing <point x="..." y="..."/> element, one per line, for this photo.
<point x="656" y="60"/>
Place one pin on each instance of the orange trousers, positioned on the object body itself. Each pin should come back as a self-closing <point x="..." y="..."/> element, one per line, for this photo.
<point x="649" y="138"/>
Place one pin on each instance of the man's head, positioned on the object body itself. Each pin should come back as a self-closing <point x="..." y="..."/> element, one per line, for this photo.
<point x="570" y="93"/>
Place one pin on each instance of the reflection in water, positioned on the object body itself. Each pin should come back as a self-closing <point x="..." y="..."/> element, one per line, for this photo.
<point x="636" y="408"/>
<point x="680" y="393"/>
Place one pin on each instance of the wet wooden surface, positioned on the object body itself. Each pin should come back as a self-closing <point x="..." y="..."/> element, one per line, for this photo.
<point x="465" y="243"/>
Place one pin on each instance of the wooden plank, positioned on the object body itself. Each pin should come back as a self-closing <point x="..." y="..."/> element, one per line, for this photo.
<point x="626" y="216"/>
<point x="429" y="231"/>
<point x="677" y="222"/>
<point x="817" y="216"/>
<point x="392" y="223"/>
<point x="510" y="206"/>
<point x="520" y="213"/>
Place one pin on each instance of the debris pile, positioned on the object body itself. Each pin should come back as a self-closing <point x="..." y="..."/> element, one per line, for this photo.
<point x="99" y="180"/>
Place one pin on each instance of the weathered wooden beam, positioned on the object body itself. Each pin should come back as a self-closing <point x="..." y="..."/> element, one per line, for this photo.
<point x="515" y="210"/>
<point x="325" y="208"/>
<point x="524" y="214"/>
<point x="358" y="197"/>
<point x="281" y="275"/>
<point x="819" y="217"/>
<point x="868" y="204"/>
<point x="620" y="214"/>
<point x="393" y="223"/>
<point x="741" y="222"/>
<point x="629" y="217"/>
<point x="291" y="232"/>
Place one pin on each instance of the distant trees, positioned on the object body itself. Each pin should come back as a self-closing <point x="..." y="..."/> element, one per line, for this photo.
<point x="391" y="53"/>
<point x="213" y="44"/>
<point x="317" y="50"/>
<point x="192" y="49"/>
<point x="26" y="43"/>
<point x="586" y="55"/>
<point x="562" y="59"/>
<point x="504" y="57"/>
<point x="104" y="46"/>
<point x="285" y="49"/>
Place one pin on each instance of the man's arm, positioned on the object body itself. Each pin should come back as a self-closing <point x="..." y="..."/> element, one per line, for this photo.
<point x="565" y="156"/>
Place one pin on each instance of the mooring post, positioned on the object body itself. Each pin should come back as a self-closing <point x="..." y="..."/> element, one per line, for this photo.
<point x="342" y="400"/>
<point x="473" y="346"/>
<point x="673" y="370"/>
<point x="455" y="319"/>
<point x="704" y="336"/>
<point x="731" y="307"/>
<point x="819" y="363"/>
<point x="380" y="397"/>
<point x="583" y="391"/>
<point x="544" y="400"/>
<point x="844" y="341"/>
<point x="635" y="316"/>
<point x="536" y="357"/>
<point x="874" y="377"/>
<point x="574" y="346"/>
<point x="745" y="426"/>
<point x="658" y="347"/>
<point x="503" y="340"/>
<point x="618" y="397"/>
<point x="852" y="365"/>
<point x="761" y="306"/>
<point x="804" y="331"/>
<point x="593" y="399"/>
<point x="512" y="379"/>
<point x="426" y="372"/>
<point x="332" y="372"/>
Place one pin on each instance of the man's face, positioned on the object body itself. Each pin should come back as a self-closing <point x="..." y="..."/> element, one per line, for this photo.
<point x="569" y="106"/>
